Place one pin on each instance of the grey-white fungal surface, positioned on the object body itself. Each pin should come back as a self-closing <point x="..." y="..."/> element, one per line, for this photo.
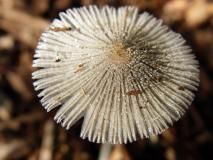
<point x="125" y="73"/>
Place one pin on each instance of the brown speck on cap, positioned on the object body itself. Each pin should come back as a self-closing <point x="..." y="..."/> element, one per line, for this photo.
<point x="58" y="60"/>
<point x="181" y="88"/>
<point x="80" y="65"/>
<point x="83" y="91"/>
<point x="134" y="92"/>
<point x="79" y="68"/>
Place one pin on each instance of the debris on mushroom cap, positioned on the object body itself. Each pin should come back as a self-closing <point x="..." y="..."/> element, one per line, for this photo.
<point x="57" y="29"/>
<point x="126" y="73"/>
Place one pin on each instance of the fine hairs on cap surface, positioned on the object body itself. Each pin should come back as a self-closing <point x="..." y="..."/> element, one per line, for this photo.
<point x="125" y="73"/>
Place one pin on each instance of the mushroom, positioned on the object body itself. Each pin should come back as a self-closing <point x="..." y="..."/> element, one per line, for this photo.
<point x="126" y="73"/>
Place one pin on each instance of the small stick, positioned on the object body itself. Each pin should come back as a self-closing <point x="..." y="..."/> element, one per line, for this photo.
<point x="58" y="29"/>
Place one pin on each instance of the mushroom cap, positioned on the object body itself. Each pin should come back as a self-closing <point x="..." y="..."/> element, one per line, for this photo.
<point x="126" y="73"/>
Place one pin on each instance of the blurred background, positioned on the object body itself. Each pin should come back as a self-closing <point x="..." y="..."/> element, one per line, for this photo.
<point x="28" y="132"/>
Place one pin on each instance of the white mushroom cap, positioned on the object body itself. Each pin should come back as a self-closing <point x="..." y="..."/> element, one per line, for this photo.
<point x="126" y="73"/>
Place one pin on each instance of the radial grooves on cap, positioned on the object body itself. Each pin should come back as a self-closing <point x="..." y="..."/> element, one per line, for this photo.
<point x="126" y="73"/>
